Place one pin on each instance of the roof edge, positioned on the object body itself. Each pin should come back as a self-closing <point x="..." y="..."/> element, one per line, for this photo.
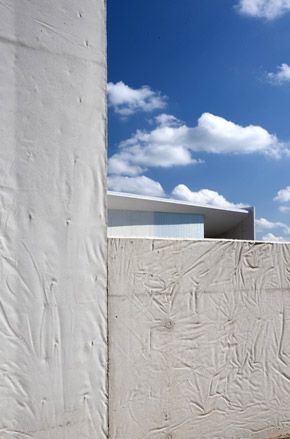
<point x="174" y="201"/>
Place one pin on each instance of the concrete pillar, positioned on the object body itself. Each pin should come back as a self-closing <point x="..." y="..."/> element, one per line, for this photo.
<point x="52" y="213"/>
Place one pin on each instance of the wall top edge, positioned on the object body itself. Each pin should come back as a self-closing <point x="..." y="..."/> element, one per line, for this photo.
<point x="137" y="238"/>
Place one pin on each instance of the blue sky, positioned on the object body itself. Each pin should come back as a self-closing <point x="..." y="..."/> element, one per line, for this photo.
<point x="199" y="94"/>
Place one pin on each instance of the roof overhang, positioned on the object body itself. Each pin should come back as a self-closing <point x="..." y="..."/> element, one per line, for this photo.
<point x="217" y="221"/>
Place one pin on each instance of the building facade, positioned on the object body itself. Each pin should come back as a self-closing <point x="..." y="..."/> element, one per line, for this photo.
<point x="147" y="217"/>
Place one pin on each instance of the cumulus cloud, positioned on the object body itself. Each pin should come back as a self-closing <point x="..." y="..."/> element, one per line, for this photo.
<point x="126" y="100"/>
<point x="284" y="209"/>
<point x="281" y="76"/>
<point x="214" y="134"/>
<point x="269" y="9"/>
<point x="160" y="147"/>
<point x="140" y="185"/>
<point x="272" y="237"/>
<point x="143" y="185"/>
<point x="167" y="120"/>
<point x="135" y="159"/>
<point x="264" y="224"/>
<point x="283" y="196"/>
<point x="203" y="197"/>
<point x="171" y="143"/>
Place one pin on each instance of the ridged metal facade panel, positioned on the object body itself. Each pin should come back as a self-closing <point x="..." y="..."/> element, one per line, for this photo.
<point x="178" y="225"/>
<point x="127" y="223"/>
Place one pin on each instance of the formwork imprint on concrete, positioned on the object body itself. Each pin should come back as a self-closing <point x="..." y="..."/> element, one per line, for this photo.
<point x="199" y="335"/>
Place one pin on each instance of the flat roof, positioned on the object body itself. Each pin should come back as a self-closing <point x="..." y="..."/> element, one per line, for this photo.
<point x="217" y="220"/>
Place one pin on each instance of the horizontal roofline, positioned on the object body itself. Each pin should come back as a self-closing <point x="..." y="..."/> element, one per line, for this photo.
<point x="177" y="202"/>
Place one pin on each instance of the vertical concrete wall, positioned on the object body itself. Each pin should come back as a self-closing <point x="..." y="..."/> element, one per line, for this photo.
<point x="245" y="230"/>
<point x="52" y="214"/>
<point x="199" y="339"/>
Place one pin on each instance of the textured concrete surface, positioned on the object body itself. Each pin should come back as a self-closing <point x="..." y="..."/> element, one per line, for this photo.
<point x="199" y="335"/>
<point x="52" y="212"/>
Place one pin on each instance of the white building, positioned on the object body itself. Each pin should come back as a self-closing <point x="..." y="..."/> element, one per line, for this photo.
<point x="149" y="217"/>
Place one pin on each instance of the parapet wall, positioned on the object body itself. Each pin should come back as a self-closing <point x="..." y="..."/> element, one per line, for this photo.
<point x="199" y="335"/>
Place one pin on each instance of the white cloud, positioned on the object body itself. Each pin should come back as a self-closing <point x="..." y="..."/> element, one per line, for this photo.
<point x="284" y="209"/>
<point x="264" y="224"/>
<point x="135" y="159"/>
<point x="127" y="101"/>
<point x="172" y="142"/>
<point x="160" y="147"/>
<point x="281" y="76"/>
<point x="203" y="197"/>
<point x="215" y="134"/>
<point x="167" y="120"/>
<point x="268" y="9"/>
<point x="136" y="185"/>
<point x="272" y="237"/>
<point x="283" y="196"/>
<point x="123" y="164"/>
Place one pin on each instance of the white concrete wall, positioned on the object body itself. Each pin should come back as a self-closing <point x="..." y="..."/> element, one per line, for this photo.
<point x="52" y="214"/>
<point x="199" y="336"/>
